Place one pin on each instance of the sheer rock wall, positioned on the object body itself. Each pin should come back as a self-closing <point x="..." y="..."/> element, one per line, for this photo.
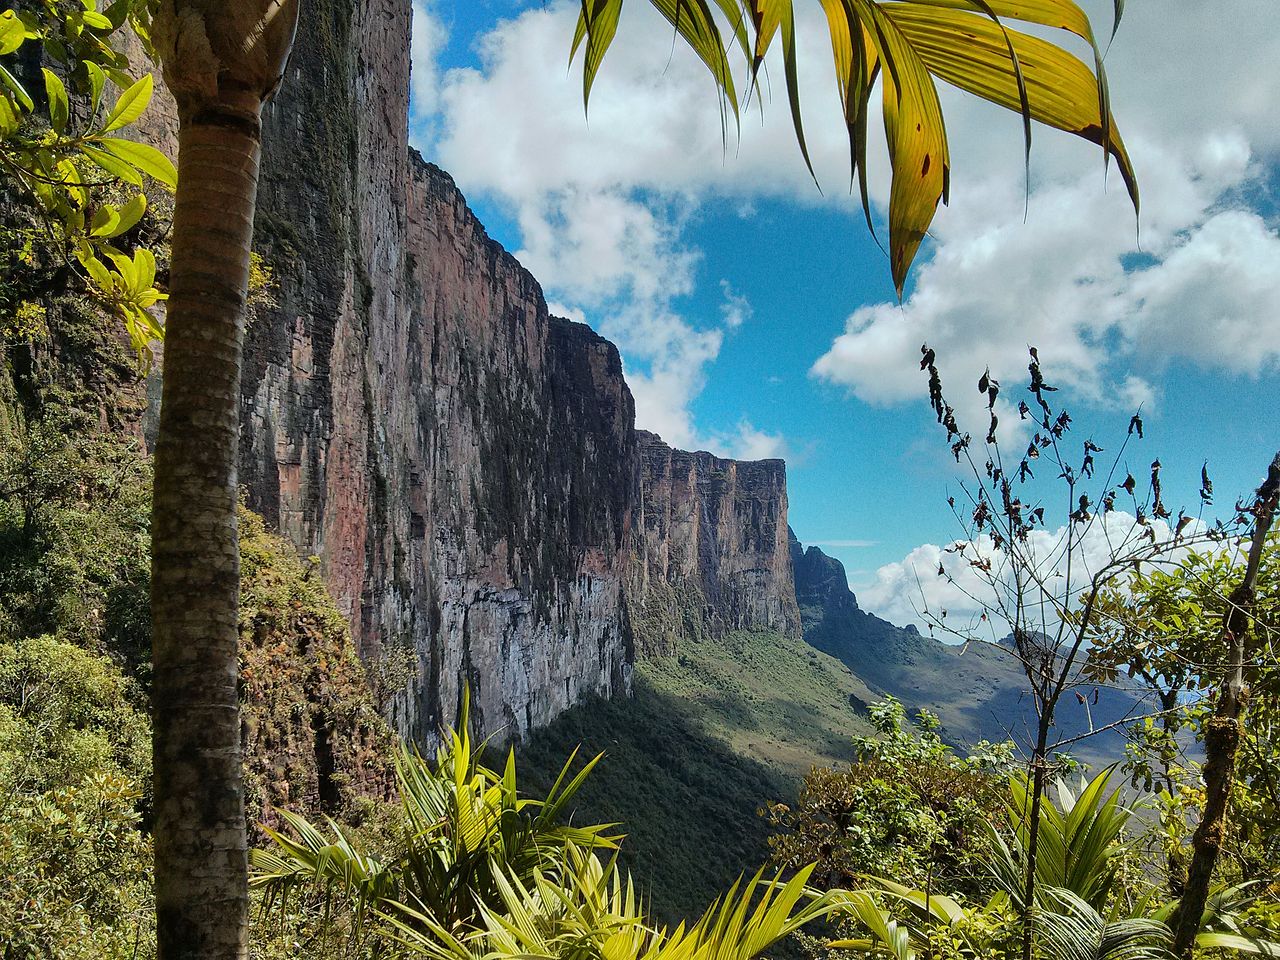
<point x="464" y="465"/>
<point x="459" y="460"/>
<point x="714" y="552"/>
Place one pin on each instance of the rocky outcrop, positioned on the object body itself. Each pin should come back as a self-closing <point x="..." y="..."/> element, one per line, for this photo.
<point x="821" y="583"/>
<point x="977" y="690"/>
<point x="461" y="463"/>
<point x="712" y="549"/>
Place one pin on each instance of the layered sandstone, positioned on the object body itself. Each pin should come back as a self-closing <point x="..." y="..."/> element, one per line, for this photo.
<point x="457" y="459"/>
<point x="463" y="465"/>
<point x="713" y="548"/>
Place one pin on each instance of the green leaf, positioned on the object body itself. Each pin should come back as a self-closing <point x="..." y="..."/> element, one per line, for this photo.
<point x="597" y="24"/>
<point x="145" y="158"/>
<point x="99" y="272"/>
<point x="97" y="21"/>
<point x="1240" y="944"/>
<point x="8" y="115"/>
<point x="97" y="81"/>
<point x="112" y="165"/>
<point x="130" y="104"/>
<point x="104" y="221"/>
<point x="59" y="106"/>
<point x="12" y="32"/>
<point x="130" y="214"/>
<point x="7" y="79"/>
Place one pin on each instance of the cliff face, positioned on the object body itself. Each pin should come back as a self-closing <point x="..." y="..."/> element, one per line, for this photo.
<point x="464" y="466"/>
<point x="712" y="545"/>
<point x="821" y="583"/>
<point x="461" y="463"/>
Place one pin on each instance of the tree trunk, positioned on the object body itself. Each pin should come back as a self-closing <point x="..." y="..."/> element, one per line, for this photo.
<point x="1222" y="736"/>
<point x="222" y="59"/>
<point x="1039" y="772"/>
<point x="200" y="845"/>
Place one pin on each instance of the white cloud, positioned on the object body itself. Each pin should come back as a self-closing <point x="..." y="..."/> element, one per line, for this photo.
<point x="904" y="590"/>
<point x="1107" y="310"/>
<point x="736" y="308"/>
<point x="427" y="39"/>
<point x="602" y="203"/>
<point x="751" y="443"/>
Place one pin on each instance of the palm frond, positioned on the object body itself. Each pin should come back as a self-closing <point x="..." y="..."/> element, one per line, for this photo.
<point x="906" y="45"/>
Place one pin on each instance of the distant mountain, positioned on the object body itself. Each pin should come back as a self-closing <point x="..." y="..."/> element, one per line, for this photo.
<point x="978" y="690"/>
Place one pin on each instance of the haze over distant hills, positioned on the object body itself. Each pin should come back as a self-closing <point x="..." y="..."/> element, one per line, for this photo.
<point x="978" y="690"/>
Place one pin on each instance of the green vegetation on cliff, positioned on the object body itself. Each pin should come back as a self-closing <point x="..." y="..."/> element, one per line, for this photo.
<point x="75" y="735"/>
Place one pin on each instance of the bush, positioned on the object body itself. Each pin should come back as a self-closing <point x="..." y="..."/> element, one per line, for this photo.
<point x="75" y="762"/>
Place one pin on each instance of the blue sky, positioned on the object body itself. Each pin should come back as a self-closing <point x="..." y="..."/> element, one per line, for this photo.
<point x="757" y="317"/>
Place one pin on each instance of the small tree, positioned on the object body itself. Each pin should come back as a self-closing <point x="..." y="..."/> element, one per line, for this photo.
<point x="1163" y="628"/>
<point x="1041" y="582"/>
<point x="906" y="807"/>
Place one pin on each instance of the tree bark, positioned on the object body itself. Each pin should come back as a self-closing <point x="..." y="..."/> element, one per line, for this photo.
<point x="1039" y="772"/>
<point x="1222" y="736"/>
<point x="222" y="59"/>
<point x="200" y="844"/>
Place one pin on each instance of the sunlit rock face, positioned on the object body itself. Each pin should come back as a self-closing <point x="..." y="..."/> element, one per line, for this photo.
<point x="714" y="552"/>
<point x="462" y="463"/>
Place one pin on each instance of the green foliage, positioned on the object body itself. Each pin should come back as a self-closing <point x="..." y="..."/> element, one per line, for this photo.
<point x="311" y="733"/>
<point x="74" y="663"/>
<point x="74" y="506"/>
<point x="689" y="802"/>
<point x="75" y="764"/>
<point x="1080" y="910"/>
<point x="481" y="870"/>
<point x="1163" y="628"/>
<point x="62" y="154"/>
<point x="466" y="834"/>
<point x="907" y="807"/>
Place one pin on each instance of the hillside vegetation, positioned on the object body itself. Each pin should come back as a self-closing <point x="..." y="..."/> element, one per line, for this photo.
<point x="715" y="731"/>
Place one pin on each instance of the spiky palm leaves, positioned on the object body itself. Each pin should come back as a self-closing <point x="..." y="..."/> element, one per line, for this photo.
<point x="467" y="836"/>
<point x="592" y="913"/>
<point x="483" y="872"/>
<point x="1076" y="912"/>
<point x="905" y="44"/>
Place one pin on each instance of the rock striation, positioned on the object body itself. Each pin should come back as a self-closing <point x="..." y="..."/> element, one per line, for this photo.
<point x="460" y="462"/>
<point x="713" y="549"/>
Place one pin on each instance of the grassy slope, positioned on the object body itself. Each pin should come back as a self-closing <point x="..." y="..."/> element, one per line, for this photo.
<point x="713" y="732"/>
<point x="768" y="697"/>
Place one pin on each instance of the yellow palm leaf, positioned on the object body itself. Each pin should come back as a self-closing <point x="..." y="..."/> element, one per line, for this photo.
<point x="904" y="44"/>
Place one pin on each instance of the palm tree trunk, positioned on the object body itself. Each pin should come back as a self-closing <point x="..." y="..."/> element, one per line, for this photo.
<point x="200" y="844"/>
<point x="222" y="59"/>
<point x="1222" y="734"/>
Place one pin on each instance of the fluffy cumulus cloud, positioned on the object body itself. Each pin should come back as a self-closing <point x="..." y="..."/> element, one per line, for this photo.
<point x="1108" y="301"/>
<point x="427" y="40"/>
<point x="602" y="203"/>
